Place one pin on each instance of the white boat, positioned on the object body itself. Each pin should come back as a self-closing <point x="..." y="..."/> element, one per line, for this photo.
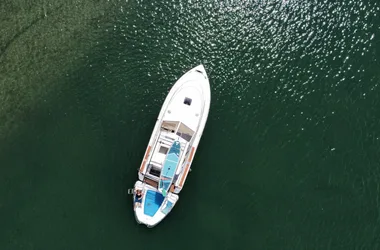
<point x="172" y="146"/>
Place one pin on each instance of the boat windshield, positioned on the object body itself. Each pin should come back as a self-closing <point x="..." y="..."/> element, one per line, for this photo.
<point x="185" y="132"/>
<point x="179" y="128"/>
<point x="169" y="125"/>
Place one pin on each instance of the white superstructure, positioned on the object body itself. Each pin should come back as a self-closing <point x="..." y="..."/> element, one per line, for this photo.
<point x="172" y="146"/>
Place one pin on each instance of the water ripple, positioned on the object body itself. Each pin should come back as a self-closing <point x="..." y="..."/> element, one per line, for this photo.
<point x="284" y="49"/>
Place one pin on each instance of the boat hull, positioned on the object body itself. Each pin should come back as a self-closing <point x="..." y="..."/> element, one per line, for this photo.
<point x="182" y="118"/>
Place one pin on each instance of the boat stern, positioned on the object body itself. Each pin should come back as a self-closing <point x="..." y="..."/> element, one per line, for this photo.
<point x="154" y="207"/>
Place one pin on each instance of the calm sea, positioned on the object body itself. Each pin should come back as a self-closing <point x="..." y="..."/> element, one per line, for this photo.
<point x="289" y="158"/>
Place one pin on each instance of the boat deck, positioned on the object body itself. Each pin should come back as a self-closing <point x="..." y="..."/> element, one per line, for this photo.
<point x="155" y="184"/>
<point x="151" y="182"/>
<point x="153" y="201"/>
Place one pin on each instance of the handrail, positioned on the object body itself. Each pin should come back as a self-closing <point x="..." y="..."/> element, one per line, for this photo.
<point x="186" y="170"/>
<point x="147" y="155"/>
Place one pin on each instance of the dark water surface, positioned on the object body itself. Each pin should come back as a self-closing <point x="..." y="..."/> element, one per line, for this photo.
<point x="290" y="155"/>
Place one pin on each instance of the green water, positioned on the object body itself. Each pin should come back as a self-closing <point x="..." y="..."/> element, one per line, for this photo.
<point x="290" y="155"/>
